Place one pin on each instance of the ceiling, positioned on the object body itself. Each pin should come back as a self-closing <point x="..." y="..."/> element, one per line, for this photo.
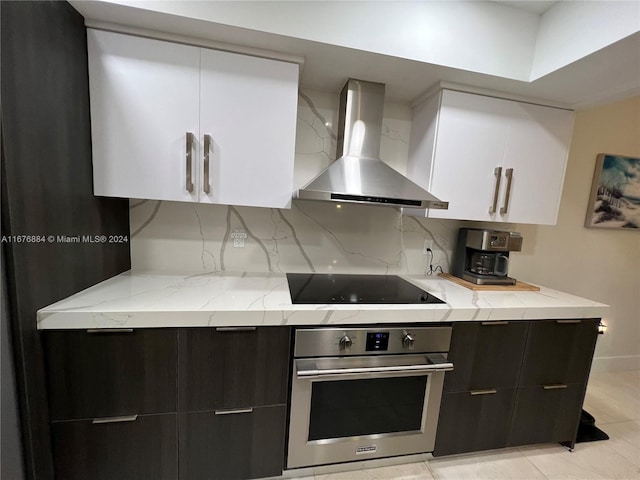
<point x="539" y="6"/>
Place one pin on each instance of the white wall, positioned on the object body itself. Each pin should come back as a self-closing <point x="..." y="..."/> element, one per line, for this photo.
<point x="478" y="36"/>
<point x="599" y="264"/>
<point x="571" y="30"/>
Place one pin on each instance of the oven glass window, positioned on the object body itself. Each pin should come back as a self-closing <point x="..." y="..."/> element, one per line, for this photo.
<point x="348" y="408"/>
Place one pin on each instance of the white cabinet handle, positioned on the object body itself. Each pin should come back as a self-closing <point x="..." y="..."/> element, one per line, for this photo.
<point x="206" y="184"/>
<point x="509" y="174"/>
<point x="189" y="160"/>
<point x="498" y="173"/>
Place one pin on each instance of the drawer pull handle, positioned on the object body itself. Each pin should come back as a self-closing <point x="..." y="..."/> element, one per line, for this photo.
<point x="110" y="330"/>
<point x="207" y="151"/>
<point x="567" y="321"/>
<point x="189" y="162"/>
<point x="495" y="323"/>
<point x="489" y="391"/>
<point x="235" y="329"/>
<point x="505" y="209"/>
<point x="233" y="412"/>
<point x="554" y="387"/>
<point x="498" y="174"/>
<point x="128" y="418"/>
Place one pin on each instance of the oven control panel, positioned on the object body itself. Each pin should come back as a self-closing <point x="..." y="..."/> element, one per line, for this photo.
<point x="377" y="341"/>
<point x="317" y="342"/>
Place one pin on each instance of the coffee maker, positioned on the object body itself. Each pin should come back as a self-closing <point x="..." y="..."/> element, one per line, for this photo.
<point x="482" y="256"/>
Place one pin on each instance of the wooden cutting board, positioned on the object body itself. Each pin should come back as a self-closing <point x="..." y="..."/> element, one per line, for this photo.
<point x="519" y="286"/>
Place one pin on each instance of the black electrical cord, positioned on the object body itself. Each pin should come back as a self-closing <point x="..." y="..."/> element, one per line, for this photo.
<point x="431" y="267"/>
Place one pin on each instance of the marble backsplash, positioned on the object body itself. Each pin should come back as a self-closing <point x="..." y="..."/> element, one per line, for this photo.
<point x="309" y="237"/>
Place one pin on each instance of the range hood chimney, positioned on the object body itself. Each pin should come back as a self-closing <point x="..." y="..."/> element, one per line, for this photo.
<point x="358" y="175"/>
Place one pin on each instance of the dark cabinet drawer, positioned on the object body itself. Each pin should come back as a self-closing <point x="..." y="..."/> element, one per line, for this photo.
<point x="110" y="374"/>
<point x="559" y="352"/>
<point x="469" y="423"/>
<point x="232" y="368"/>
<point x="485" y="355"/>
<point x="548" y="414"/>
<point x="232" y="446"/>
<point x="142" y="449"/>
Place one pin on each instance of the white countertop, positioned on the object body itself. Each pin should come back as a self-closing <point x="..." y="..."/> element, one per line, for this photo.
<point x="148" y="300"/>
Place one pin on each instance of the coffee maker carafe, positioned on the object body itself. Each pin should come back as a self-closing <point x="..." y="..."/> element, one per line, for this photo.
<point x="482" y="256"/>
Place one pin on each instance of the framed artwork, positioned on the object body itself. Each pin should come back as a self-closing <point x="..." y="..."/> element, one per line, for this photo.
<point x="615" y="193"/>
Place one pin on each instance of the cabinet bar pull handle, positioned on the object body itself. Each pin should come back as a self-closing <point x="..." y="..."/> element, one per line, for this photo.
<point x="489" y="391"/>
<point x="110" y="330"/>
<point x="495" y="323"/>
<point x="235" y="329"/>
<point x="509" y="174"/>
<point x="128" y="418"/>
<point x="207" y="147"/>
<point x="498" y="173"/>
<point x="567" y="321"/>
<point x="233" y="412"/>
<point x="189" y="159"/>
<point x="554" y="387"/>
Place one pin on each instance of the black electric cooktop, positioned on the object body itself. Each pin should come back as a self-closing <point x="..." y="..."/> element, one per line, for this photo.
<point x="318" y="288"/>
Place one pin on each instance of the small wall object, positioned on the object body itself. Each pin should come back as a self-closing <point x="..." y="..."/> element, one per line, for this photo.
<point x="615" y="193"/>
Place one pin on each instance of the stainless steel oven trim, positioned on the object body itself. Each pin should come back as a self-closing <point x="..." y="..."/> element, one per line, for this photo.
<point x="360" y="367"/>
<point x="303" y="453"/>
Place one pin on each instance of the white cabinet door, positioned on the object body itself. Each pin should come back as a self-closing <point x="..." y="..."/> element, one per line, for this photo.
<point x="474" y="136"/>
<point x="144" y="100"/>
<point x="536" y="150"/>
<point x="248" y="108"/>
<point x="470" y="144"/>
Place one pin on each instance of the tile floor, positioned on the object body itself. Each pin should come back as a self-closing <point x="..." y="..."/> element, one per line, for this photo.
<point x="612" y="398"/>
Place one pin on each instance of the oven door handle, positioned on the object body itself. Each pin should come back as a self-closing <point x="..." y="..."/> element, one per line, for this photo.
<point x="427" y="368"/>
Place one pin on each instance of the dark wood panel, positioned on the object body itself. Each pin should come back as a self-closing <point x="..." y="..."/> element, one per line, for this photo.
<point x="47" y="189"/>
<point x="143" y="449"/>
<point x="470" y="423"/>
<point x="559" y="352"/>
<point x="232" y="369"/>
<point x="485" y="355"/>
<point x="542" y="416"/>
<point x="109" y="374"/>
<point x="236" y="446"/>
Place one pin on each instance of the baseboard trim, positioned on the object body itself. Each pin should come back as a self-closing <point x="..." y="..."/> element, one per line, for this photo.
<point x="615" y="364"/>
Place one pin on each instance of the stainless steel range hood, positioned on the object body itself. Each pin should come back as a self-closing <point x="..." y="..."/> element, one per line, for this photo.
<point x="358" y="175"/>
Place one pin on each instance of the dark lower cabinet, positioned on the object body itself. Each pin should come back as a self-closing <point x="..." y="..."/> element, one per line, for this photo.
<point x="127" y="450"/>
<point x="473" y="421"/>
<point x="227" y="445"/>
<point x="538" y="370"/>
<point x="485" y="355"/>
<point x="233" y="367"/>
<point x="107" y="374"/>
<point x="546" y="414"/>
<point x="559" y="351"/>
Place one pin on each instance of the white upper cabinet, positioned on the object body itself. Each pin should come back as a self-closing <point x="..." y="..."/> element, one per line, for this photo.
<point x="492" y="159"/>
<point x="183" y="123"/>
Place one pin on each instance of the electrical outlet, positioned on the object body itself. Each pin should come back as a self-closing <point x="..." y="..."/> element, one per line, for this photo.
<point x="238" y="238"/>
<point x="428" y="244"/>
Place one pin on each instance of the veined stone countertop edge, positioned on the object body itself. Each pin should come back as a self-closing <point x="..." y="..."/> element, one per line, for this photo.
<point x="237" y="299"/>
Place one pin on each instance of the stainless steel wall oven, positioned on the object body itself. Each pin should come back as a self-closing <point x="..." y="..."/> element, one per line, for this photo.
<point x="364" y="393"/>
